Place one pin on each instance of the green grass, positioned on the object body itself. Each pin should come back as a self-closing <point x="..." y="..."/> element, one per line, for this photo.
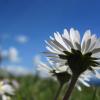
<point x="35" y="88"/>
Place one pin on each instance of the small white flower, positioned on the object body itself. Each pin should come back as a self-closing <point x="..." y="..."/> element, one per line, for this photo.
<point x="5" y="97"/>
<point x="6" y="89"/>
<point x="62" y="73"/>
<point x="14" y="83"/>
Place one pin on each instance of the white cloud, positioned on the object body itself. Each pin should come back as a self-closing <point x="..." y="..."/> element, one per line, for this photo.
<point x="11" y="54"/>
<point x="17" y="70"/>
<point x="22" y="39"/>
<point x="36" y="59"/>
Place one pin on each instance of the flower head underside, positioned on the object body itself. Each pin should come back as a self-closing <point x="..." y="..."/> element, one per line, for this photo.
<point x="67" y="49"/>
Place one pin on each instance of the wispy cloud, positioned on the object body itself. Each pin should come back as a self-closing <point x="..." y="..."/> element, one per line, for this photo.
<point x="22" y="39"/>
<point x="11" y="54"/>
<point x="18" y="38"/>
<point x="17" y="70"/>
<point x="36" y="59"/>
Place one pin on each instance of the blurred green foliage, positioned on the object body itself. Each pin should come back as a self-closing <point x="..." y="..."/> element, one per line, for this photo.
<point x="36" y="88"/>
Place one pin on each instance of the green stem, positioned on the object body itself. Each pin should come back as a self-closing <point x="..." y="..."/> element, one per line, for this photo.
<point x="94" y="93"/>
<point x="71" y="87"/>
<point x="58" y="92"/>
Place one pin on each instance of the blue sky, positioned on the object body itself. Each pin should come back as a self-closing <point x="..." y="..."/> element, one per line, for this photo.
<point x="38" y="19"/>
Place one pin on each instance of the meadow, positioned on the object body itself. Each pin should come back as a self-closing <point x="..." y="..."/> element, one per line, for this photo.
<point x="36" y="88"/>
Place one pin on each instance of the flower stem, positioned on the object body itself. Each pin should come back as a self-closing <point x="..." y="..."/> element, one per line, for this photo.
<point x="71" y="87"/>
<point x="58" y="92"/>
<point x="94" y="93"/>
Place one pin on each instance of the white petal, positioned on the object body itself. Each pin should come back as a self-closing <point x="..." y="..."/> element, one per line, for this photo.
<point x="61" y="41"/>
<point x="87" y="45"/>
<point x="96" y="50"/>
<point x="54" y="46"/>
<point x="59" y="45"/>
<point x="86" y="37"/>
<point x="67" y="42"/>
<point x="78" y="87"/>
<point x="93" y="42"/>
<point x="97" y="45"/>
<point x="4" y="97"/>
<point x="72" y="34"/>
<point x="53" y="50"/>
<point x="51" y="38"/>
<point x="78" y="46"/>
<point x="66" y="34"/>
<point x="83" y="47"/>
<point x="43" y="65"/>
<point x="83" y="82"/>
<point x="8" y="89"/>
<point x="62" y="69"/>
<point x="75" y="38"/>
<point x="98" y="75"/>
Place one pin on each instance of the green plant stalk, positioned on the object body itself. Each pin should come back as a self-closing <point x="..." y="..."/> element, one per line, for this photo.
<point x="58" y="92"/>
<point x="71" y="87"/>
<point x="94" y="93"/>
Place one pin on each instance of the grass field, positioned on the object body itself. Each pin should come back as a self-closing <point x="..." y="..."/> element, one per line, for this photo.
<point x="35" y="88"/>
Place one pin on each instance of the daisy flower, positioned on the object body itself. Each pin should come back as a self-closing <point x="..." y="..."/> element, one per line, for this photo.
<point x="67" y="49"/>
<point x="6" y="90"/>
<point x="13" y="82"/>
<point x="51" y="69"/>
<point x="5" y="97"/>
<point x="62" y="73"/>
<point x="80" y="55"/>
